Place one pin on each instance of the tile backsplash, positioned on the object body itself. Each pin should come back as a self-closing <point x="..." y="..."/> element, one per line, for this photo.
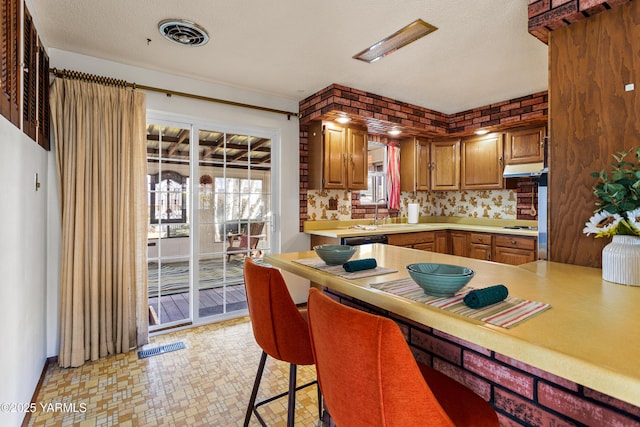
<point x="493" y="204"/>
<point x="318" y="205"/>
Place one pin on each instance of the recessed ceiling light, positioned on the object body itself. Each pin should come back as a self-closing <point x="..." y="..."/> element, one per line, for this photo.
<point x="412" y="32"/>
<point x="481" y="132"/>
<point x="183" y="32"/>
<point x="395" y="132"/>
<point x="343" y="119"/>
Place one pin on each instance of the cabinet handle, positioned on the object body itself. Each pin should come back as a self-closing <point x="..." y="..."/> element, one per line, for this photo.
<point x="513" y="242"/>
<point x="480" y="239"/>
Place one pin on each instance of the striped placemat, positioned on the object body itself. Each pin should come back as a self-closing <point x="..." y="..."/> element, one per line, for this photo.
<point x="318" y="263"/>
<point x="506" y="314"/>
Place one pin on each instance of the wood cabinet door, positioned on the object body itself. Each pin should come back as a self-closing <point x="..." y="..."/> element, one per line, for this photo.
<point x="430" y="246"/>
<point x="445" y="165"/>
<point x="357" y="173"/>
<point x="414" y="164"/>
<point x="525" y="146"/>
<point x="411" y="239"/>
<point x="481" y="163"/>
<point x="478" y="251"/>
<point x="335" y="158"/>
<point x="513" y="256"/>
<point x="442" y="242"/>
<point x="422" y="164"/>
<point x="459" y="243"/>
<point x="408" y="164"/>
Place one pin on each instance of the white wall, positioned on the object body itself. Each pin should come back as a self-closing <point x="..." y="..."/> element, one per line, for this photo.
<point x="23" y="264"/>
<point x="288" y="130"/>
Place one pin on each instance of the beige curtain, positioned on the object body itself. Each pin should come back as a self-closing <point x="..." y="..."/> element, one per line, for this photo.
<point x="100" y="148"/>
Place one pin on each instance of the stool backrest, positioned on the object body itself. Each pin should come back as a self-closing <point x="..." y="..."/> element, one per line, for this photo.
<point x="366" y="371"/>
<point x="278" y="326"/>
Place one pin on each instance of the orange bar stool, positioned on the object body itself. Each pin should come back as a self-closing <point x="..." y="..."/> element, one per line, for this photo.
<point x="368" y="375"/>
<point x="280" y="329"/>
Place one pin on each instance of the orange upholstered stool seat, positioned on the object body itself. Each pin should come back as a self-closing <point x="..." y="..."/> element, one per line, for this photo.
<point x="280" y="329"/>
<point x="369" y="377"/>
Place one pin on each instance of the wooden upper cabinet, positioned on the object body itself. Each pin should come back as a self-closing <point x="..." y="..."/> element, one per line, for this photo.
<point x="357" y="168"/>
<point x="481" y="162"/>
<point x="525" y="146"/>
<point x="337" y="157"/>
<point x="9" y="57"/>
<point x="445" y="165"/>
<point x="414" y="164"/>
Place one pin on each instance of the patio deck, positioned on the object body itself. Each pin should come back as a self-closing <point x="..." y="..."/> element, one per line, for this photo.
<point x="175" y="307"/>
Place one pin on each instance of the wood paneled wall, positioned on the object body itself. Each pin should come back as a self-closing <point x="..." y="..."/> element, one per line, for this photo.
<point x="591" y="116"/>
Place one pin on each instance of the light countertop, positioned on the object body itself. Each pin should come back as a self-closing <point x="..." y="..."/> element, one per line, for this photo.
<point x="339" y="229"/>
<point x="591" y="334"/>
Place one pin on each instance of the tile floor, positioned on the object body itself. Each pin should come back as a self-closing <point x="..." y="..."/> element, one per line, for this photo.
<point x="206" y="384"/>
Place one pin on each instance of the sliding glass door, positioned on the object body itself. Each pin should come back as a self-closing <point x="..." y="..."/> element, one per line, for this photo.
<point x="235" y="215"/>
<point x="168" y="184"/>
<point x="202" y="228"/>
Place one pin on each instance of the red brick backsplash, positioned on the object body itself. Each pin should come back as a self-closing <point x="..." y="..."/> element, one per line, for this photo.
<point x="521" y="394"/>
<point x="549" y="15"/>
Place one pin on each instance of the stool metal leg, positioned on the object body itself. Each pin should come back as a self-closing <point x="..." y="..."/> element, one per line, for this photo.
<point x="256" y="386"/>
<point x="291" y="413"/>
<point x="319" y="403"/>
<point x="291" y="404"/>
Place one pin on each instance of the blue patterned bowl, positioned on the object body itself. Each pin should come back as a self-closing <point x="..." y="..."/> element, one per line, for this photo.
<point x="441" y="280"/>
<point x="335" y="254"/>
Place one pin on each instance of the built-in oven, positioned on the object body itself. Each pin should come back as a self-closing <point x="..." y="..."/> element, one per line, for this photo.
<point x="363" y="240"/>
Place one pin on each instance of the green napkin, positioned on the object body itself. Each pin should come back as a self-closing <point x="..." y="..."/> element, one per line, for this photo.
<point x="479" y="298"/>
<point x="360" y="264"/>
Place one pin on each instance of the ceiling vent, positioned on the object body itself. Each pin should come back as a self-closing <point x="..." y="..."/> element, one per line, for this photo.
<point x="412" y="32"/>
<point x="183" y="32"/>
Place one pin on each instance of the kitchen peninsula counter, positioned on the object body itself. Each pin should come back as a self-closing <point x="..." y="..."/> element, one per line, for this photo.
<point x="590" y="335"/>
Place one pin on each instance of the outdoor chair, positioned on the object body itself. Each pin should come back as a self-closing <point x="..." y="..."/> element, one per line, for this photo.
<point x="246" y="243"/>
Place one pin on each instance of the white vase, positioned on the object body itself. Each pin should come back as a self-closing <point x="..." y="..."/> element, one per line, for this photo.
<point x="621" y="260"/>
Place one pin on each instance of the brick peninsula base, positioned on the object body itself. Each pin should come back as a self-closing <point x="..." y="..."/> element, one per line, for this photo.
<point x="520" y="394"/>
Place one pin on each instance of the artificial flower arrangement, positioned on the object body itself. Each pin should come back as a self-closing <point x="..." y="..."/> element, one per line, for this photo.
<point x="618" y="194"/>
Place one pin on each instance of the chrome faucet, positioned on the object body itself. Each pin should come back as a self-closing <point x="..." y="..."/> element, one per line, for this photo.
<point x="375" y="217"/>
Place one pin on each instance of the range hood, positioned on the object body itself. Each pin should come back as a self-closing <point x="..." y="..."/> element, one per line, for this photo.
<point x="525" y="169"/>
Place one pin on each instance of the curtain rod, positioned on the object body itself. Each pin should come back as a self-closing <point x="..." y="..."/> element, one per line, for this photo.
<point x="122" y="83"/>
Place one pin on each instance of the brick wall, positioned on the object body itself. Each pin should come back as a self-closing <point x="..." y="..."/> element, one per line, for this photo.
<point x="379" y="114"/>
<point x="520" y="394"/>
<point x="549" y="15"/>
<point x="512" y="112"/>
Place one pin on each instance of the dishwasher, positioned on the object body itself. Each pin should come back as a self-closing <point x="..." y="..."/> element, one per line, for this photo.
<point x="363" y="240"/>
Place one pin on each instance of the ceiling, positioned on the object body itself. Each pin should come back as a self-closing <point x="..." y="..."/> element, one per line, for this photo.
<point x="480" y="54"/>
<point x="171" y="146"/>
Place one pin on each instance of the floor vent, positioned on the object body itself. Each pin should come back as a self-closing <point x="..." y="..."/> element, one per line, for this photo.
<point x="143" y="354"/>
